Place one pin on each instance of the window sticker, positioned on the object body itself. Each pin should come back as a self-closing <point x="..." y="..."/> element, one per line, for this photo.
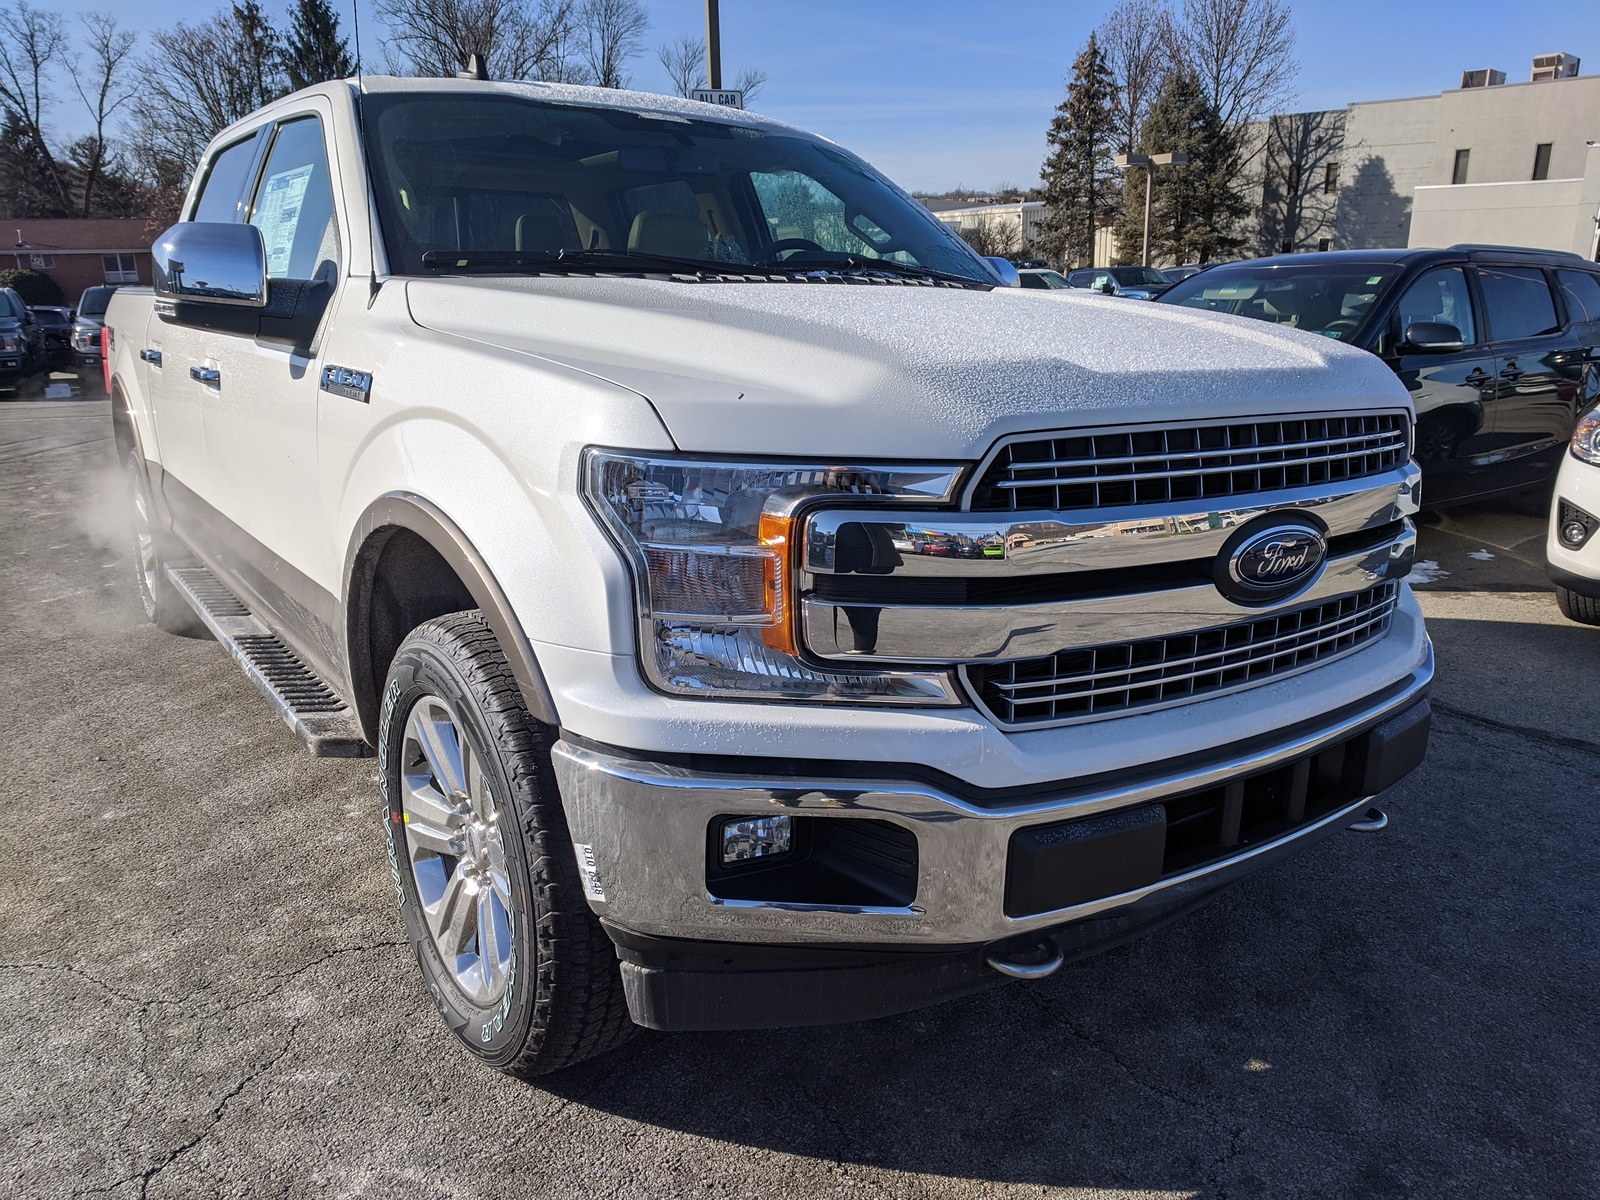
<point x="278" y="214"/>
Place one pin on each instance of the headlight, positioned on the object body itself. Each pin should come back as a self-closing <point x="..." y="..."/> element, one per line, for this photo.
<point x="1586" y="437"/>
<point x="711" y="546"/>
<point x="85" y="337"/>
<point x="10" y="343"/>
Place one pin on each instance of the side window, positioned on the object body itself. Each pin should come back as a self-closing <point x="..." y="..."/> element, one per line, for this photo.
<point x="293" y="206"/>
<point x="1442" y="296"/>
<point x="222" y="194"/>
<point x="1581" y="291"/>
<point x="1518" y="302"/>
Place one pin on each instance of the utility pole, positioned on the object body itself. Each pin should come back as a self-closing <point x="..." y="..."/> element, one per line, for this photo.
<point x="713" y="46"/>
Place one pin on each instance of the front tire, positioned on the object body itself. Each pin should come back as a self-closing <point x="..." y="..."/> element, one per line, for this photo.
<point x="1575" y="607"/>
<point x="517" y="964"/>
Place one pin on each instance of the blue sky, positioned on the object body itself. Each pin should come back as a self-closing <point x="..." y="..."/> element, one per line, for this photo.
<point x="944" y="92"/>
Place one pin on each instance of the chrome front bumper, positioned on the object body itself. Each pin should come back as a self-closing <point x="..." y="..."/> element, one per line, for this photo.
<point x="644" y="827"/>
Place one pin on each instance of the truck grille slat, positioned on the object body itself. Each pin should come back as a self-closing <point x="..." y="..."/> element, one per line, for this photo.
<point x="1197" y="462"/>
<point x="1158" y="671"/>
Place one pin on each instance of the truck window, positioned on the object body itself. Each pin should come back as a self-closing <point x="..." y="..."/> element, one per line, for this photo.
<point x="1581" y="290"/>
<point x="293" y="205"/>
<point x="223" y="191"/>
<point x="1440" y="295"/>
<point x="1518" y="302"/>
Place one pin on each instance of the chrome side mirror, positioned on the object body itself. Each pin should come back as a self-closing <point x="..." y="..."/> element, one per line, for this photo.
<point x="211" y="262"/>
<point x="1007" y="271"/>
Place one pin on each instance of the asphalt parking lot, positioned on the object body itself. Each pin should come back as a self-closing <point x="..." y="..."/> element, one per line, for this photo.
<point x="207" y="991"/>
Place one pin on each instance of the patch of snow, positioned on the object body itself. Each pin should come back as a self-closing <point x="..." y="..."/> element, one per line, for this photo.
<point x="1480" y="555"/>
<point x="1426" y="571"/>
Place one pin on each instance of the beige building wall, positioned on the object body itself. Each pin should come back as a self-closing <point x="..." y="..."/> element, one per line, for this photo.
<point x="1518" y="214"/>
<point x="1394" y="147"/>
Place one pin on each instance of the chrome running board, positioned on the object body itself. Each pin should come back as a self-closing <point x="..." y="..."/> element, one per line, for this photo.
<point x="320" y="719"/>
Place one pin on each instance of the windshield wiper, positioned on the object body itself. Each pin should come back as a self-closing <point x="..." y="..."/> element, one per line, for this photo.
<point x="839" y="263"/>
<point x="573" y="260"/>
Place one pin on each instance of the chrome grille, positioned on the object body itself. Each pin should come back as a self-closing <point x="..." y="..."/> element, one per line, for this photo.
<point x="1102" y="680"/>
<point x="1194" y="462"/>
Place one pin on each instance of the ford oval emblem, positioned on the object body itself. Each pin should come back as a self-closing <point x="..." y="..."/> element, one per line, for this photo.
<point x="1271" y="563"/>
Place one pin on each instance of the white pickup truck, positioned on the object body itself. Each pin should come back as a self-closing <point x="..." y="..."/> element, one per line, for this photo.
<point x="761" y="614"/>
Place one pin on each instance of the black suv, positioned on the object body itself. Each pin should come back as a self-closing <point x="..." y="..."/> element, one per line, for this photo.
<point x="1498" y="345"/>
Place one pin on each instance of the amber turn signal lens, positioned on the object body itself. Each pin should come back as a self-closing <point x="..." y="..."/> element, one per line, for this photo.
<point x="777" y="535"/>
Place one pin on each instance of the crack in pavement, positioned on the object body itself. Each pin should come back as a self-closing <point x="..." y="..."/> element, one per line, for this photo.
<point x="214" y="1119"/>
<point x="1526" y="731"/>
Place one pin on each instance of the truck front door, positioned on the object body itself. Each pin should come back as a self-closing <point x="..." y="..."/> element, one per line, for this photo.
<point x="179" y="360"/>
<point x="1451" y="391"/>
<point x="262" y="431"/>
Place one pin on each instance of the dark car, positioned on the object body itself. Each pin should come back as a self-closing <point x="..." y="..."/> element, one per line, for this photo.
<point x="86" y="328"/>
<point x="1137" y="283"/>
<point x="1497" y="345"/>
<point x="55" y="334"/>
<point x="19" y="340"/>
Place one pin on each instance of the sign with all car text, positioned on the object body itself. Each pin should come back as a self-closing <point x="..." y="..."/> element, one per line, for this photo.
<point x="728" y="97"/>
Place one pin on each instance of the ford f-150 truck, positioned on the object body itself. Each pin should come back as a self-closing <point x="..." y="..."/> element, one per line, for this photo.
<point x="760" y="612"/>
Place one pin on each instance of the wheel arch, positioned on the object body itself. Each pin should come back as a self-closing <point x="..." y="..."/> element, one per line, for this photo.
<point x="403" y="527"/>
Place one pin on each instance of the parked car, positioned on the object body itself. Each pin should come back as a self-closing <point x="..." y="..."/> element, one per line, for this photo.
<point x="20" y="351"/>
<point x="86" y="327"/>
<point x="580" y="493"/>
<point x="1497" y="345"/>
<point x="1136" y="283"/>
<point x="1032" y="278"/>
<point x="55" y="335"/>
<point x="1179" y="274"/>
<point x="1572" y="552"/>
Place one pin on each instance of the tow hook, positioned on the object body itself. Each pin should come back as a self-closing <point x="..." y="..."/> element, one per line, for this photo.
<point x="1371" y="821"/>
<point x="1027" y="962"/>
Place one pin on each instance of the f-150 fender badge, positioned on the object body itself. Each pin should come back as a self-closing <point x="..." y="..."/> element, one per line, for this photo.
<point x="352" y="385"/>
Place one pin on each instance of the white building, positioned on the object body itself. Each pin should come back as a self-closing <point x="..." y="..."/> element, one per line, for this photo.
<point x="1488" y="162"/>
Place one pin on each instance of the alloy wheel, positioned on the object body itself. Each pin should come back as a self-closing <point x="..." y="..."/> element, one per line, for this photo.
<point x="456" y="851"/>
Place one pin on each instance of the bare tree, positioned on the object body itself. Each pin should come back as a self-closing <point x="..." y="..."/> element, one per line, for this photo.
<point x="1241" y="52"/>
<point x="197" y="80"/>
<point x="613" y="34"/>
<point x="104" y="86"/>
<point x="685" y="64"/>
<point x="32" y="43"/>
<point x="993" y="236"/>
<point x="1137" y="40"/>
<point x="517" y="39"/>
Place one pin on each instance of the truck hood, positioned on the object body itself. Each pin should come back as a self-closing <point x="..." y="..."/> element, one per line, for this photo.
<point x="883" y="370"/>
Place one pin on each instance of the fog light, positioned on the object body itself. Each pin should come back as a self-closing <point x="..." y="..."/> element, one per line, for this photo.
<point x="745" y="839"/>
<point x="1573" y="533"/>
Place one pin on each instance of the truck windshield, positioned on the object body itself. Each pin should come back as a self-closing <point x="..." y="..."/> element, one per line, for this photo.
<point x="7" y="308"/>
<point x="503" y="181"/>
<point x="1330" y="300"/>
<point x="94" y="301"/>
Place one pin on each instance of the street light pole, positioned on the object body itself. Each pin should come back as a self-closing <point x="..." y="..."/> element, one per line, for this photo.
<point x="1150" y="162"/>
<point x="713" y="46"/>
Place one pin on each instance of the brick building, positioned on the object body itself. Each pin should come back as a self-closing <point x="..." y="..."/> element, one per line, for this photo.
<point x="79" y="254"/>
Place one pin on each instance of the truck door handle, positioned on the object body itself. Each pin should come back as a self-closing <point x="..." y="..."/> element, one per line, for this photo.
<point x="151" y="356"/>
<point x="1511" y="374"/>
<point x="1478" y="376"/>
<point x="206" y="375"/>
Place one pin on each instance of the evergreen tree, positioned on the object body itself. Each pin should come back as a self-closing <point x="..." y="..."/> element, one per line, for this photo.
<point x="259" y="79"/>
<point x="313" y="51"/>
<point x="1080" y="185"/>
<point x="1195" y="210"/>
